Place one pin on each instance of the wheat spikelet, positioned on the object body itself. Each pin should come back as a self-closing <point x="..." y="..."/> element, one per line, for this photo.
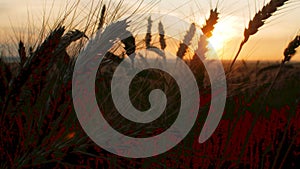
<point x="162" y="39"/>
<point x="186" y="41"/>
<point x="290" y="51"/>
<point x="258" y="21"/>
<point x="102" y="18"/>
<point x="207" y="30"/>
<point x="209" y="26"/>
<point x="260" y="18"/>
<point x="148" y="35"/>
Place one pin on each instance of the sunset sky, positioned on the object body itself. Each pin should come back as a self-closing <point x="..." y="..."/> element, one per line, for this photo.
<point x="267" y="44"/>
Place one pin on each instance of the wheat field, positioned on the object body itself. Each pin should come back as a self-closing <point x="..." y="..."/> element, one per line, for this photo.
<point x="40" y="129"/>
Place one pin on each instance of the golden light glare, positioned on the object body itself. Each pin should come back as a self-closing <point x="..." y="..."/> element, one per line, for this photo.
<point x="224" y="32"/>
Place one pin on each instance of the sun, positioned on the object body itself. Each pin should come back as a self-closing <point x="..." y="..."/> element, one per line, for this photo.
<point x="224" y="31"/>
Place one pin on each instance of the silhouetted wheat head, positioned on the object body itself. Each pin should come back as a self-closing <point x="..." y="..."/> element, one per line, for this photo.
<point x="102" y="18"/>
<point x="162" y="39"/>
<point x="22" y="53"/>
<point x="290" y="51"/>
<point x="209" y="26"/>
<point x="196" y="64"/>
<point x="186" y="41"/>
<point x="258" y="21"/>
<point x="148" y="37"/>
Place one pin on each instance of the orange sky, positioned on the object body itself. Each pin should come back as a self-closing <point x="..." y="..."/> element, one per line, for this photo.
<point x="267" y="44"/>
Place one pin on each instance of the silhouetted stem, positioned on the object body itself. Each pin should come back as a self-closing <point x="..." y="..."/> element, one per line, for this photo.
<point x="237" y="54"/>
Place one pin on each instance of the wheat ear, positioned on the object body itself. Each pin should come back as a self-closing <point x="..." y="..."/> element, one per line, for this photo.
<point x="130" y="46"/>
<point x="209" y="26"/>
<point x="290" y="51"/>
<point x="162" y="39"/>
<point x="148" y="35"/>
<point x="257" y="22"/>
<point x="22" y="53"/>
<point x="186" y="41"/>
<point x="102" y="18"/>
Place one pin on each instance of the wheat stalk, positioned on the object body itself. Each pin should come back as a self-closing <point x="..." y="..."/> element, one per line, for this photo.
<point x="207" y="30"/>
<point x="258" y="21"/>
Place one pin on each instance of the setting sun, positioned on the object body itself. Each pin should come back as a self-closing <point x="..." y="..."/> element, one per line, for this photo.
<point x="224" y="32"/>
